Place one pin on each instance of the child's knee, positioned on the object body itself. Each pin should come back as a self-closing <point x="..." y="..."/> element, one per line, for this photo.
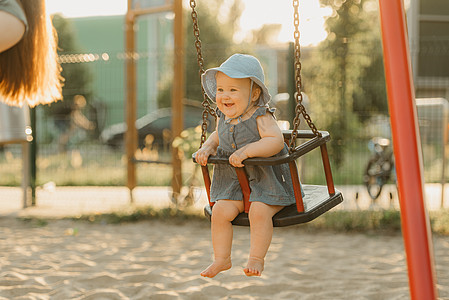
<point x="258" y="212"/>
<point x="224" y="210"/>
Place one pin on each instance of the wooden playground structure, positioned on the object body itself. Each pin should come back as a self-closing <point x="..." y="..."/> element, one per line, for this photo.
<point x="138" y="8"/>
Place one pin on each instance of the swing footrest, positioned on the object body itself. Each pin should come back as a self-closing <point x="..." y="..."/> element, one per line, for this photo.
<point x="316" y="202"/>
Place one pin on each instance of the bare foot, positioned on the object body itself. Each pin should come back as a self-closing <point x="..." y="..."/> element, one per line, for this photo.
<point x="219" y="265"/>
<point x="254" y="266"/>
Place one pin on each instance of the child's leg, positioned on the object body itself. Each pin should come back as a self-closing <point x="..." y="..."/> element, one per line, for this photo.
<point x="261" y="224"/>
<point x="223" y="212"/>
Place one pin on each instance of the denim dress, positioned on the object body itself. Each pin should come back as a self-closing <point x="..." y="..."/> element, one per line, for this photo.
<point x="269" y="184"/>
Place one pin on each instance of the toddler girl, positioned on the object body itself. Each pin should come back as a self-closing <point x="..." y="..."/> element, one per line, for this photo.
<point x="246" y="128"/>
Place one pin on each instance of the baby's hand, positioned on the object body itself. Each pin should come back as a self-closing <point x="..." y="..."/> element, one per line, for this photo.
<point x="203" y="154"/>
<point x="236" y="158"/>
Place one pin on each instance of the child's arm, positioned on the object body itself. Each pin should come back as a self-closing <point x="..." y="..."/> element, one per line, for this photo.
<point x="271" y="142"/>
<point x="209" y="148"/>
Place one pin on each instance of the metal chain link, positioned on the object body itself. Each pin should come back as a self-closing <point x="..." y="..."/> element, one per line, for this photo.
<point x="207" y="108"/>
<point x="299" y="109"/>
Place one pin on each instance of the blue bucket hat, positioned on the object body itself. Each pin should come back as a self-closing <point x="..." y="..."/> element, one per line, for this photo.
<point x="237" y="66"/>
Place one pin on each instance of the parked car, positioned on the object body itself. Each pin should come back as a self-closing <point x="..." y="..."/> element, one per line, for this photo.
<point x="158" y="124"/>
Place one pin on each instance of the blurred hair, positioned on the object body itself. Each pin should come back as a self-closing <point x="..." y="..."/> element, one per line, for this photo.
<point x="29" y="71"/>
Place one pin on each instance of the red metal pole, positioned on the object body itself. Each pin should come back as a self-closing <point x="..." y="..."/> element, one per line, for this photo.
<point x="401" y="101"/>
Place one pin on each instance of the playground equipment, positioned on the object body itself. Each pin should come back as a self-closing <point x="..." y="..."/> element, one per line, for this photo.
<point x="401" y="101"/>
<point x="433" y="116"/>
<point x="318" y="199"/>
<point x="138" y="8"/>
<point x="15" y="129"/>
<point x="415" y="223"/>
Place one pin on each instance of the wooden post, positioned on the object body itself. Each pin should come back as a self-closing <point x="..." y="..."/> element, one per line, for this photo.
<point x="444" y="154"/>
<point x="244" y="185"/>
<point x="177" y="96"/>
<point x="33" y="155"/>
<point x="296" y="186"/>
<point x="207" y="183"/>
<point x="130" y="100"/>
<point x="327" y="170"/>
<point x="26" y="173"/>
<point x="178" y="89"/>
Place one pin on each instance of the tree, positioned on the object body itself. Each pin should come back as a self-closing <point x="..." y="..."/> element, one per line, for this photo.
<point x="344" y="68"/>
<point x="216" y="31"/>
<point x="266" y="35"/>
<point x="77" y="75"/>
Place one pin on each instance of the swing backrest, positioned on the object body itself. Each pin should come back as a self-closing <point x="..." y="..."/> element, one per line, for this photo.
<point x="300" y="150"/>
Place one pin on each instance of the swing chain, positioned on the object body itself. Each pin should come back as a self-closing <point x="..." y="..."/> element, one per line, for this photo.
<point x="299" y="109"/>
<point x="207" y="108"/>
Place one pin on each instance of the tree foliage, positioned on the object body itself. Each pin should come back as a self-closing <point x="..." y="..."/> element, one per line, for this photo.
<point x="218" y="21"/>
<point x="77" y="75"/>
<point x="346" y="72"/>
<point x="266" y="35"/>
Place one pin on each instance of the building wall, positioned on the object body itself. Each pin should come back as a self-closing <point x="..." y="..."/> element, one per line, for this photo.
<point x="104" y="36"/>
<point x="428" y="23"/>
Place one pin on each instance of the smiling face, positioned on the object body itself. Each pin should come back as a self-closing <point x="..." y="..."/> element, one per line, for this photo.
<point x="233" y="94"/>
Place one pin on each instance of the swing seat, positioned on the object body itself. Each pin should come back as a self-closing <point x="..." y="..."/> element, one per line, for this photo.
<point x="317" y="200"/>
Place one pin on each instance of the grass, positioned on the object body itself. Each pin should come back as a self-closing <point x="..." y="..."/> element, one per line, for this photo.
<point x="439" y="221"/>
<point x="356" y="221"/>
<point x="97" y="165"/>
<point x="168" y="214"/>
<point x="374" y="221"/>
<point x="380" y="221"/>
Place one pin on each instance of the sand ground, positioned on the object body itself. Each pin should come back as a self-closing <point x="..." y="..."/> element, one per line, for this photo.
<point x="64" y="259"/>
